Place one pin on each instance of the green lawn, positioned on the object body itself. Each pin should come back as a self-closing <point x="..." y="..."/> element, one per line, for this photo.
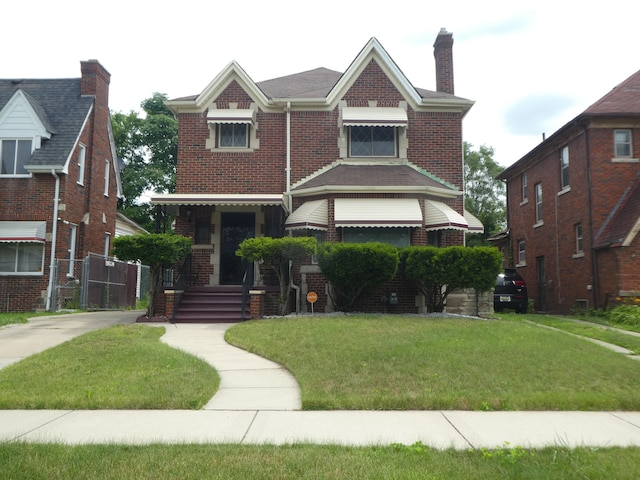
<point x="99" y="462"/>
<point x="122" y="367"/>
<point x="403" y="363"/>
<point x="20" y="317"/>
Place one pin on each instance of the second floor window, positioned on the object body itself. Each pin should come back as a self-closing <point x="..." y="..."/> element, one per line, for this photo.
<point x="233" y="135"/>
<point x="622" y="140"/>
<point x="522" y="259"/>
<point x="82" y="152"/>
<point x="564" y="167"/>
<point x="538" y="202"/>
<point x="365" y="141"/>
<point x="15" y="155"/>
<point x="525" y="193"/>
<point x="579" y="247"/>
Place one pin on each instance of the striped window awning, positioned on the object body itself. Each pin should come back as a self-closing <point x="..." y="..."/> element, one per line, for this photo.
<point x="310" y="215"/>
<point x="440" y="216"/>
<point x="374" y="117"/>
<point x="475" y="225"/>
<point x="22" y="231"/>
<point x="377" y="212"/>
<point x="231" y="115"/>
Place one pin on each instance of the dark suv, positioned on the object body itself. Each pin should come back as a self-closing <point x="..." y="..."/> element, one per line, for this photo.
<point x="510" y="292"/>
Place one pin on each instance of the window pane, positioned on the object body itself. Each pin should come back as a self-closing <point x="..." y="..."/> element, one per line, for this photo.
<point x="239" y="135"/>
<point x="623" y="143"/>
<point x="360" y="141"/>
<point x="8" y="157"/>
<point x="233" y="135"/>
<point x="8" y="252"/>
<point x="383" y="142"/>
<point x="30" y="257"/>
<point x="372" y="141"/>
<point x="398" y="237"/>
<point x="24" y="154"/>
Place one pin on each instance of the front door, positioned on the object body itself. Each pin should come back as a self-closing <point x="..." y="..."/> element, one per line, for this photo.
<point x="236" y="227"/>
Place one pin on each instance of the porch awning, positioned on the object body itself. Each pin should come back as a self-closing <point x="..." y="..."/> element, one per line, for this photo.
<point x="475" y="225"/>
<point x="312" y="215"/>
<point x="230" y="115"/>
<point x="440" y="216"/>
<point x="374" y="116"/>
<point x="22" y="231"/>
<point x="377" y="212"/>
<point x="216" y="199"/>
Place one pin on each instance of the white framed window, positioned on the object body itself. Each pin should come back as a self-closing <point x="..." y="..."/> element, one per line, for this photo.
<point x="525" y="187"/>
<point x="522" y="259"/>
<point x="622" y="143"/>
<point x="233" y="135"/>
<point x="73" y="233"/>
<point x="82" y="153"/>
<point x="578" y="229"/>
<point x="538" y="190"/>
<point x="107" y="172"/>
<point x="367" y="141"/>
<point x="14" y="153"/>
<point x="21" y="258"/>
<point x="564" y="167"/>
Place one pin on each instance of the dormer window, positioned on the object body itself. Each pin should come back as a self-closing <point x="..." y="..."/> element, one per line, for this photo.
<point x="375" y="131"/>
<point x="233" y="135"/>
<point x="232" y="129"/>
<point x="15" y="155"/>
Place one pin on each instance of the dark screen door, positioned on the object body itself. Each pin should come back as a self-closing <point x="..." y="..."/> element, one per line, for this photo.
<point x="236" y="227"/>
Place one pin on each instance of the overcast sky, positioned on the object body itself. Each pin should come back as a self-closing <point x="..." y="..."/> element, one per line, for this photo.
<point x="529" y="66"/>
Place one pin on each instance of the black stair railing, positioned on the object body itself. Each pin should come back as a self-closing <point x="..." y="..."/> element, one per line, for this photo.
<point x="247" y="281"/>
<point x="183" y="281"/>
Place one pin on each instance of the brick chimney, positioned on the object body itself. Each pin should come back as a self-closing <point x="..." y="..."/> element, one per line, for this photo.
<point x="95" y="80"/>
<point x="443" y="52"/>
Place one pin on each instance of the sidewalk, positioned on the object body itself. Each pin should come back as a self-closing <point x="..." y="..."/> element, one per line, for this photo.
<point x="259" y="402"/>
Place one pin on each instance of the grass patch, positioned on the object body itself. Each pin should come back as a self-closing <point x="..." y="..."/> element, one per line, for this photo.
<point x="413" y="363"/>
<point x="21" y="317"/>
<point x="629" y="342"/>
<point x="121" y="367"/>
<point x="27" y="461"/>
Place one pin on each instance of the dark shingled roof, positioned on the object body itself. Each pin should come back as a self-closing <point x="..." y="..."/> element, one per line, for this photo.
<point x="622" y="218"/>
<point x="373" y="175"/>
<point x="61" y="109"/>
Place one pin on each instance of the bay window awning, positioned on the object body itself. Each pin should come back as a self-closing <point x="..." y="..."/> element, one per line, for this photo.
<point x="312" y="215"/>
<point x="11" y="231"/>
<point x="440" y="216"/>
<point x="231" y="115"/>
<point x="475" y="225"/>
<point x="374" y="117"/>
<point x="377" y="212"/>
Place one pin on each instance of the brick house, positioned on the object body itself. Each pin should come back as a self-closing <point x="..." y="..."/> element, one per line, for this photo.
<point x="59" y="181"/>
<point x="574" y="208"/>
<point x="343" y="156"/>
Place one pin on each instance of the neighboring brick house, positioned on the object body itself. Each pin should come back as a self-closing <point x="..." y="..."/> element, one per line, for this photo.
<point x="59" y="181"/>
<point x="354" y="156"/>
<point x="574" y="208"/>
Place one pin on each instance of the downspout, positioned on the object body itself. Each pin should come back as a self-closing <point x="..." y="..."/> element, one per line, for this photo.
<point x="54" y="235"/>
<point x="290" y="202"/>
<point x="594" y="262"/>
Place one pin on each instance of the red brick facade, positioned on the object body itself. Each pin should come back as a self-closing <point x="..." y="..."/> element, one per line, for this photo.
<point x="598" y="202"/>
<point x="81" y="202"/>
<point x="297" y="135"/>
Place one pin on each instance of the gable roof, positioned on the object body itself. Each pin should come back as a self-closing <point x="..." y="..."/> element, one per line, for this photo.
<point x="319" y="88"/>
<point x="623" y="223"/>
<point x="398" y="178"/>
<point x="60" y="107"/>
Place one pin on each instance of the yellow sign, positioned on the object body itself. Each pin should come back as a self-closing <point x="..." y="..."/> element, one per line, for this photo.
<point x="312" y="297"/>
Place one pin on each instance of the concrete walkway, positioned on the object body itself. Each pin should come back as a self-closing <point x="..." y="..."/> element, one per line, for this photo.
<point x="258" y="400"/>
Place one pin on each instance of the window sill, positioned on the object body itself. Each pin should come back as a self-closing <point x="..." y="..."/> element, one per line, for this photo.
<point x="564" y="190"/>
<point x="538" y="224"/>
<point x="524" y="202"/>
<point x="578" y="255"/>
<point x="624" y="160"/>
<point x="20" y="274"/>
<point x="521" y="264"/>
<point x="21" y="175"/>
<point x="232" y="150"/>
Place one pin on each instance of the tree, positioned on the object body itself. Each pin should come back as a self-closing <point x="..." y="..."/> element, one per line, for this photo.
<point x="437" y="272"/>
<point x="148" y="147"/>
<point x="484" y="194"/>
<point x="351" y="268"/>
<point x="278" y="254"/>
<point x="157" y="251"/>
